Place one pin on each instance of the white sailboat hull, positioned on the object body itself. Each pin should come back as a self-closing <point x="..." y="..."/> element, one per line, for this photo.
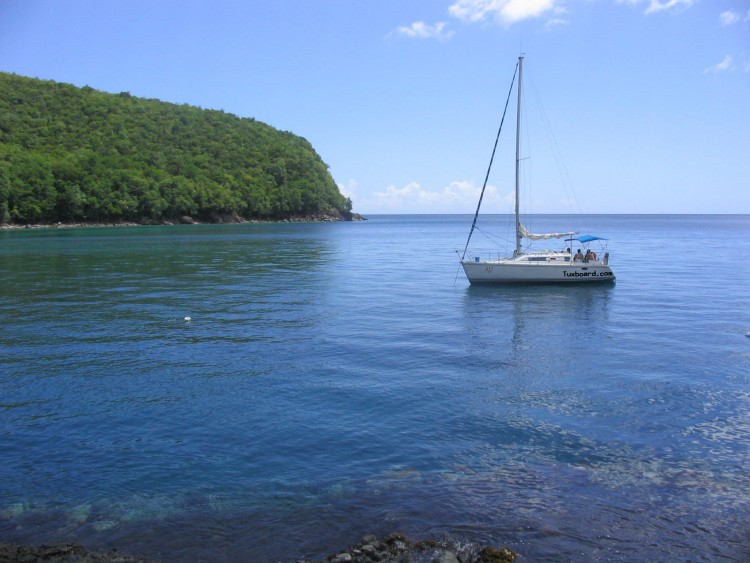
<point x="513" y="271"/>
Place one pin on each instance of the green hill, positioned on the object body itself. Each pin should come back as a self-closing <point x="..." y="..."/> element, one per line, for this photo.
<point x="71" y="154"/>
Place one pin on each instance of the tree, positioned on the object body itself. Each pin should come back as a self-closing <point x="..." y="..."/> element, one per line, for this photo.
<point x="77" y="154"/>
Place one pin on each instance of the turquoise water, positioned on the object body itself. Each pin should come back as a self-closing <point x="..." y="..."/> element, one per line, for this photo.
<point x="342" y="379"/>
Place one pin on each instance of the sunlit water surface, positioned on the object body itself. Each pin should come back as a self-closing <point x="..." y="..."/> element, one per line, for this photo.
<point x="342" y="379"/>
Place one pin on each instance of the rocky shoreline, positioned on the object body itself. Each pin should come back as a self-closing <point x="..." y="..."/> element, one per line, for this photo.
<point x="186" y="220"/>
<point x="396" y="548"/>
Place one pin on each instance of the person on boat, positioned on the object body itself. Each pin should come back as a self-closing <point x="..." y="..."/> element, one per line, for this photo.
<point x="578" y="256"/>
<point x="589" y="255"/>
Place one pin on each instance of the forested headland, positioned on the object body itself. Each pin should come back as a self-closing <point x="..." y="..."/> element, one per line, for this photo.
<point x="79" y="155"/>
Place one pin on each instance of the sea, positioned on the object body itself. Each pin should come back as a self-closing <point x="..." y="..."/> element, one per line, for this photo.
<point x="275" y="391"/>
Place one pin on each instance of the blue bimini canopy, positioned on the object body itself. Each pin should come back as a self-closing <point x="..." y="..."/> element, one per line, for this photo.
<point x="586" y="238"/>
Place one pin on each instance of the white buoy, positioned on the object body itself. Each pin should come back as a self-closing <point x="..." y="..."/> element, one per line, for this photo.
<point x="188" y="319"/>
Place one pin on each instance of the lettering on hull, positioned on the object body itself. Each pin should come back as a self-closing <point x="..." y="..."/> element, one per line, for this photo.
<point x="585" y="274"/>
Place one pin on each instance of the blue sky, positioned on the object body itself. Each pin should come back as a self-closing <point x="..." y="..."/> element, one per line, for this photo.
<point x="647" y="101"/>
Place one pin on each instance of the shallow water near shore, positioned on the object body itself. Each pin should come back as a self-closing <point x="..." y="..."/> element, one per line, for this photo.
<point x="338" y="379"/>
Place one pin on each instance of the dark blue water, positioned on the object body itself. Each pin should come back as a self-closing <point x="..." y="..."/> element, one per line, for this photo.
<point x="342" y="379"/>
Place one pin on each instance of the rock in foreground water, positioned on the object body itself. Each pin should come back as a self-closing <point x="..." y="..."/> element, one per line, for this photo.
<point x="396" y="548"/>
<point x="399" y="549"/>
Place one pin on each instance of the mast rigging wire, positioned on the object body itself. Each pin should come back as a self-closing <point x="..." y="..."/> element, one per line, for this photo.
<point x="481" y="195"/>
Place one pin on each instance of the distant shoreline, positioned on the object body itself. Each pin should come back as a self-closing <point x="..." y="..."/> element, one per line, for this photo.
<point x="325" y="218"/>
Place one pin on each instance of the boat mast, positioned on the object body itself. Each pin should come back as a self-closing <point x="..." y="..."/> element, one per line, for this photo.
<point x="518" y="156"/>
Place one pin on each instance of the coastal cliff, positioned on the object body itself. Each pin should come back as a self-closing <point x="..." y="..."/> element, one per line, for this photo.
<point x="80" y="156"/>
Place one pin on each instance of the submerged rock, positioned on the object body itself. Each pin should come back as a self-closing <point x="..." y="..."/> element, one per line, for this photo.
<point x="399" y="549"/>
<point x="80" y="513"/>
<point x="396" y="548"/>
<point x="61" y="554"/>
<point x="14" y="510"/>
<point x="494" y="555"/>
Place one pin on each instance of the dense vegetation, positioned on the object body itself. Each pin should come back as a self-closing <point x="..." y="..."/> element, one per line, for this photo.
<point x="71" y="154"/>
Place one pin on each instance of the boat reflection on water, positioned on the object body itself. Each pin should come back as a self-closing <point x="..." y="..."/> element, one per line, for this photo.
<point x="540" y="326"/>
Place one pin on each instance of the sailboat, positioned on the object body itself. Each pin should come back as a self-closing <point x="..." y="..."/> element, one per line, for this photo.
<point x="525" y="266"/>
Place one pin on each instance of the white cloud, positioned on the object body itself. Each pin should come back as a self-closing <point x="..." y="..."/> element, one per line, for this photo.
<point x="661" y="5"/>
<point x="456" y="197"/>
<point x="508" y="12"/>
<point x="504" y="11"/>
<point x="349" y="189"/>
<point x="422" y="30"/>
<point x="729" y="17"/>
<point x="724" y="65"/>
<point x="555" y="22"/>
